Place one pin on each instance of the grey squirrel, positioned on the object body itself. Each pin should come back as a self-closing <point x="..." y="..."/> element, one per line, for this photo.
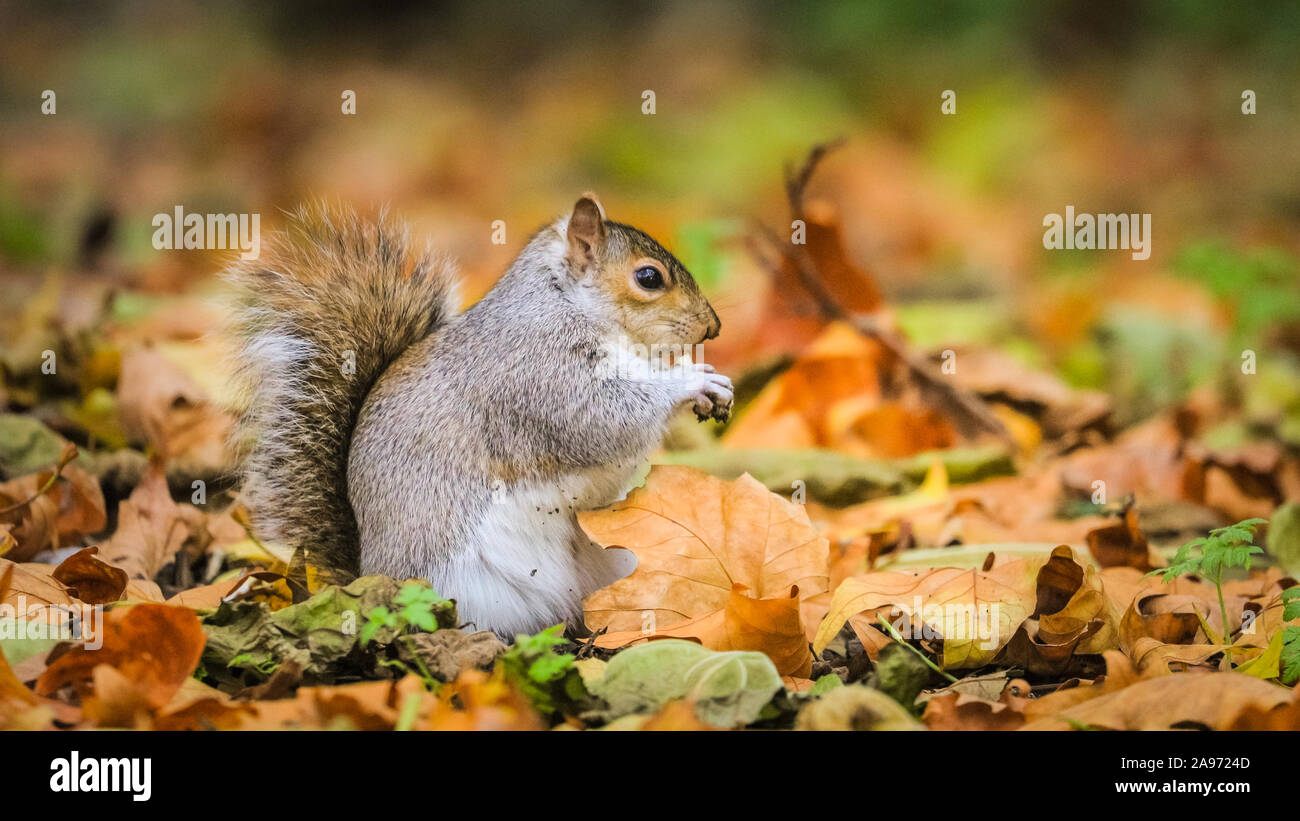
<point x="383" y="432"/>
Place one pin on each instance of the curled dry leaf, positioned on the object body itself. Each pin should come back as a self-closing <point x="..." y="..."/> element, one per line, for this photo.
<point x="43" y="511"/>
<point x="153" y="646"/>
<point x="209" y="596"/>
<point x="1122" y="544"/>
<point x="152" y="528"/>
<point x="1074" y="617"/>
<point x="984" y="612"/>
<point x="963" y="711"/>
<point x="89" y="579"/>
<point x="984" y="607"/>
<point x="729" y="564"/>
<point x="33" y="584"/>
<point x="855" y="707"/>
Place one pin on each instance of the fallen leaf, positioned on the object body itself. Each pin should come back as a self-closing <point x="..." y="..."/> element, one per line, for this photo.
<point x="976" y="611"/>
<point x="152" y="528"/>
<point x="208" y="596"/>
<point x="1122" y="544"/>
<point x="728" y="689"/>
<point x="791" y="410"/>
<point x="162" y="405"/>
<point x="43" y="510"/>
<point x="1176" y="701"/>
<point x="154" y="646"/>
<point x="34" y="584"/>
<point x="90" y="579"/>
<point x="10" y="687"/>
<point x="962" y="711"/>
<point x="448" y="652"/>
<point x="697" y="538"/>
<point x="677" y="716"/>
<point x="855" y="707"/>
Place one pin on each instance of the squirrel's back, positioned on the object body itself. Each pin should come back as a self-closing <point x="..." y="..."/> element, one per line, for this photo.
<point x="320" y="315"/>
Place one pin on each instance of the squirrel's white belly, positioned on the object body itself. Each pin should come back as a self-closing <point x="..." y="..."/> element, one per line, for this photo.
<point x="528" y="564"/>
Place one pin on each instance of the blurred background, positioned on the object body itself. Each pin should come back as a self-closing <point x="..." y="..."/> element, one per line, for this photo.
<point x="471" y="112"/>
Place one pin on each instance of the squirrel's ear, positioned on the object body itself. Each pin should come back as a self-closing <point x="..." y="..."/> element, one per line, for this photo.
<point x="586" y="230"/>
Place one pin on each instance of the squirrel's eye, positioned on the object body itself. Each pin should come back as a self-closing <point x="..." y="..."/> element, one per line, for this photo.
<point x="648" y="277"/>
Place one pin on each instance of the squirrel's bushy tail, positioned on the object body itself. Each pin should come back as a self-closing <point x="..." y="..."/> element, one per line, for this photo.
<point x="327" y="307"/>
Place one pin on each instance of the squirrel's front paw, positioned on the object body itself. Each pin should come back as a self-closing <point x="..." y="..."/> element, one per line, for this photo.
<point x="712" y="399"/>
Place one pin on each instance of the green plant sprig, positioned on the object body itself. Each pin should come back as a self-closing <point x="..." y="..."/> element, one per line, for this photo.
<point x="1209" y="556"/>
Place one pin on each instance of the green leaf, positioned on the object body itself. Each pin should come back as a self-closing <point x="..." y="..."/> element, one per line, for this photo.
<point x="856" y="707"/>
<point x="550" y="667"/>
<point x="1291" y="603"/>
<point x="380" y="617"/>
<point x="1229" y="546"/>
<point x="19" y="641"/>
<point x="319" y="634"/>
<point x="825" y="684"/>
<point x="1290" y="655"/>
<point x="549" y="680"/>
<point x="901" y="674"/>
<point x="729" y="689"/>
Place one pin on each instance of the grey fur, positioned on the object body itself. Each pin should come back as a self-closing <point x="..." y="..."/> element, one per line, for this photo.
<point x="330" y="285"/>
<point x="480" y="418"/>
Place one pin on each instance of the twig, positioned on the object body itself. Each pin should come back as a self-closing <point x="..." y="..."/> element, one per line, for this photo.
<point x="69" y="453"/>
<point x="796" y="183"/>
<point x="896" y="636"/>
<point x="976" y="414"/>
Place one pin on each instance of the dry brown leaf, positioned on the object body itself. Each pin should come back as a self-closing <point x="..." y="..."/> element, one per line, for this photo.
<point x="44" y="510"/>
<point x="153" y="646"/>
<point x="208" y="596"/>
<point x="163" y="406"/>
<point x="987" y="610"/>
<point x="888" y="429"/>
<point x="81" y="504"/>
<point x="34" y="584"/>
<point x="152" y="528"/>
<point x="32" y="516"/>
<point x="90" y="579"/>
<point x="677" y="716"/>
<point x="1122" y="544"/>
<point x="197" y="706"/>
<point x="697" y="538"/>
<point x="773" y="626"/>
<point x="1168" y="619"/>
<point x="1153" y="657"/>
<point x="481" y="701"/>
<point x="1280" y="717"/>
<point x="983" y="607"/>
<point x="792" y="409"/>
<point x="961" y="711"/>
<point x="474" y="701"/>
<point x="1076" y="618"/>
<point x="1176" y="701"/>
<point x="1120" y="673"/>
<point x="791" y="316"/>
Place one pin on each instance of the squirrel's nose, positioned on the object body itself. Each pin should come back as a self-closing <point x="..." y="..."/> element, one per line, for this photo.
<point x="715" y="325"/>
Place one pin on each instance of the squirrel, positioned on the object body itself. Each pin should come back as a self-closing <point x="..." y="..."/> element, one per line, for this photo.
<point x="384" y="432"/>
